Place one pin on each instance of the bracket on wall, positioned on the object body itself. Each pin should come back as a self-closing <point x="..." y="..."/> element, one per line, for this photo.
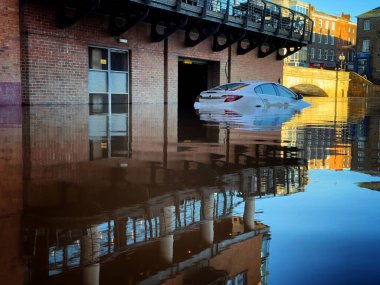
<point x="161" y="30"/>
<point x="288" y="50"/>
<point x="198" y="32"/>
<point x="248" y="43"/>
<point x="122" y="21"/>
<point x="225" y="38"/>
<point x="70" y="11"/>
<point x="270" y="45"/>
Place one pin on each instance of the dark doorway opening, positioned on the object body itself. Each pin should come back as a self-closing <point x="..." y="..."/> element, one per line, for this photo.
<point x="194" y="76"/>
<point x="192" y="79"/>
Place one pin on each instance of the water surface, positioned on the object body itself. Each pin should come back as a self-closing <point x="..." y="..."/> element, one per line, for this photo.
<point x="148" y="194"/>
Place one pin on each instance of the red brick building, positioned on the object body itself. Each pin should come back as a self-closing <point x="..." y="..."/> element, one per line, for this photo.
<point x="332" y="36"/>
<point x="59" y="52"/>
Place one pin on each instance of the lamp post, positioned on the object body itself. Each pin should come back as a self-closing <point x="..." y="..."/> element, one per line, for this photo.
<point x="341" y="58"/>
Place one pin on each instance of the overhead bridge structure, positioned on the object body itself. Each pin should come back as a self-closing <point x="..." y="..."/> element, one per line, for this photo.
<point x="250" y="23"/>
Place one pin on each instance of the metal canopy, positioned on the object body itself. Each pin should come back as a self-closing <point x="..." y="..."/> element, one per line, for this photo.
<point x="251" y="23"/>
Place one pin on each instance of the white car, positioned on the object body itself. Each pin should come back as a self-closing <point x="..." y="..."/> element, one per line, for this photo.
<point x="245" y="96"/>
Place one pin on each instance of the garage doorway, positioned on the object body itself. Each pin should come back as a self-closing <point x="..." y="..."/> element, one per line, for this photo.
<point x="194" y="76"/>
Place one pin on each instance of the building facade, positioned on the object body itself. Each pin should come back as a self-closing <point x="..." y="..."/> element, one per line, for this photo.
<point x="114" y="52"/>
<point x="332" y="36"/>
<point x="334" y="40"/>
<point x="368" y="45"/>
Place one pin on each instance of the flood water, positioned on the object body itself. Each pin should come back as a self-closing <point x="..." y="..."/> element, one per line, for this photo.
<point x="148" y="194"/>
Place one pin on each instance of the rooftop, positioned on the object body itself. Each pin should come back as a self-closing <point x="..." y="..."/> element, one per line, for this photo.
<point x="371" y="14"/>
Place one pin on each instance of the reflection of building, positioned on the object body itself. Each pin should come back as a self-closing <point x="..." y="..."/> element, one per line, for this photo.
<point x="368" y="62"/>
<point x="11" y="195"/>
<point x="366" y="144"/>
<point x="147" y="208"/>
<point x="322" y="137"/>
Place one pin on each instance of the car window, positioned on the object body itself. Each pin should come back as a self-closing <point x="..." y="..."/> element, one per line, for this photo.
<point x="231" y="86"/>
<point x="268" y="89"/>
<point x="285" y="92"/>
<point x="258" y="90"/>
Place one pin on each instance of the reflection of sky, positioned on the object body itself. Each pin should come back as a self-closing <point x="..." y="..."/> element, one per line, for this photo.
<point x="328" y="235"/>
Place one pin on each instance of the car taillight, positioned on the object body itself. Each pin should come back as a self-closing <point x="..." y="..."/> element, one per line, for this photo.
<point x="197" y="99"/>
<point x="231" y="98"/>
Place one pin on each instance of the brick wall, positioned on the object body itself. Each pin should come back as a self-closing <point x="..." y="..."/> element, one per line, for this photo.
<point x="10" y="80"/>
<point x="55" y="61"/>
<point x="374" y="45"/>
<point x="250" y="67"/>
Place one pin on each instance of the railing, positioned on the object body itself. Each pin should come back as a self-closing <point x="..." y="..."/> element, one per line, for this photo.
<point x="258" y="15"/>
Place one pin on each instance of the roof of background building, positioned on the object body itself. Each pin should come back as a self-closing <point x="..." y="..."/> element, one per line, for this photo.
<point x="371" y="14"/>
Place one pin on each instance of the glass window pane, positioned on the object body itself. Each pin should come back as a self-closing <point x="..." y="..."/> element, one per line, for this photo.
<point x="285" y="92"/>
<point x="119" y="61"/>
<point x="97" y="81"/>
<point x="119" y="82"/>
<point x="268" y="89"/>
<point x="98" y="58"/>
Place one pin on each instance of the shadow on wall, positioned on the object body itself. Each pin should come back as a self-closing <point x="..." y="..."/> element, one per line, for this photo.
<point x="309" y="90"/>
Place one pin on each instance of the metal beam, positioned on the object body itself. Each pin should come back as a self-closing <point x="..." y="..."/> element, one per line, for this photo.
<point x="129" y="16"/>
<point x="163" y="29"/>
<point x="225" y="38"/>
<point x="287" y="50"/>
<point x="198" y="32"/>
<point x="249" y="42"/>
<point x="70" y="11"/>
<point x="270" y="45"/>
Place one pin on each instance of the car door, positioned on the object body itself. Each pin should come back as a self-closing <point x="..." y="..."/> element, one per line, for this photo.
<point x="287" y="95"/>
<point x="269" y="94"/>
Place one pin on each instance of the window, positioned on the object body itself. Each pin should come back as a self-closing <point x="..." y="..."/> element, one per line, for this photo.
<point x="365" y="46"/>
<point x="327" y="25"/>
<point x="326" y="52"/>
<point x="319" y="38"/>
<point x="231" y="86"/>
<point x="326" y="39"/>
<point x="349" y="29"/>
<point x="332" y="40"/>
<point x="267" y="89"/>
<point x="367" y="25"/>
<point x="312" y="55"/>
<point x="284" y="92"/>
<point x="332" y="55"/>
<point x="319" y="53"/>
<point x="333" y="26"/>
<point x="320" y="23"/>
<point x="108" y="75"/>
<point x="349" y="41"/>
<point x="313" y="38"/>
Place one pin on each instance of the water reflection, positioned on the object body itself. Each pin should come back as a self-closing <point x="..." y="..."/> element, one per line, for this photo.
<point x="115" y="196"/>
<point x="138" y="194"/>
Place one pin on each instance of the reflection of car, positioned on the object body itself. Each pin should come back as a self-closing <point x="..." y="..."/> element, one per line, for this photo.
<point x="247" y="95"/>
<point x="259" y="118"/>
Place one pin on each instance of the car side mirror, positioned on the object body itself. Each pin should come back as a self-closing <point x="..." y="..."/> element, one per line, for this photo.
<point x="299" y="96"/>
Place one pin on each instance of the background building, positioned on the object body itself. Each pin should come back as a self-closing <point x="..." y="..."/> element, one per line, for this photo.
<point x="368" y="46"/>
<point x="332" y="36"/>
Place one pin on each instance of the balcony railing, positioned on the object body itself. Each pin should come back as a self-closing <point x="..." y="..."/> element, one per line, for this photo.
<point x="255" y="15"/>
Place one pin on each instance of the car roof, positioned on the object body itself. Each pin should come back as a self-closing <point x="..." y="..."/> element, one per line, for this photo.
<point x="255" y="83"/>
